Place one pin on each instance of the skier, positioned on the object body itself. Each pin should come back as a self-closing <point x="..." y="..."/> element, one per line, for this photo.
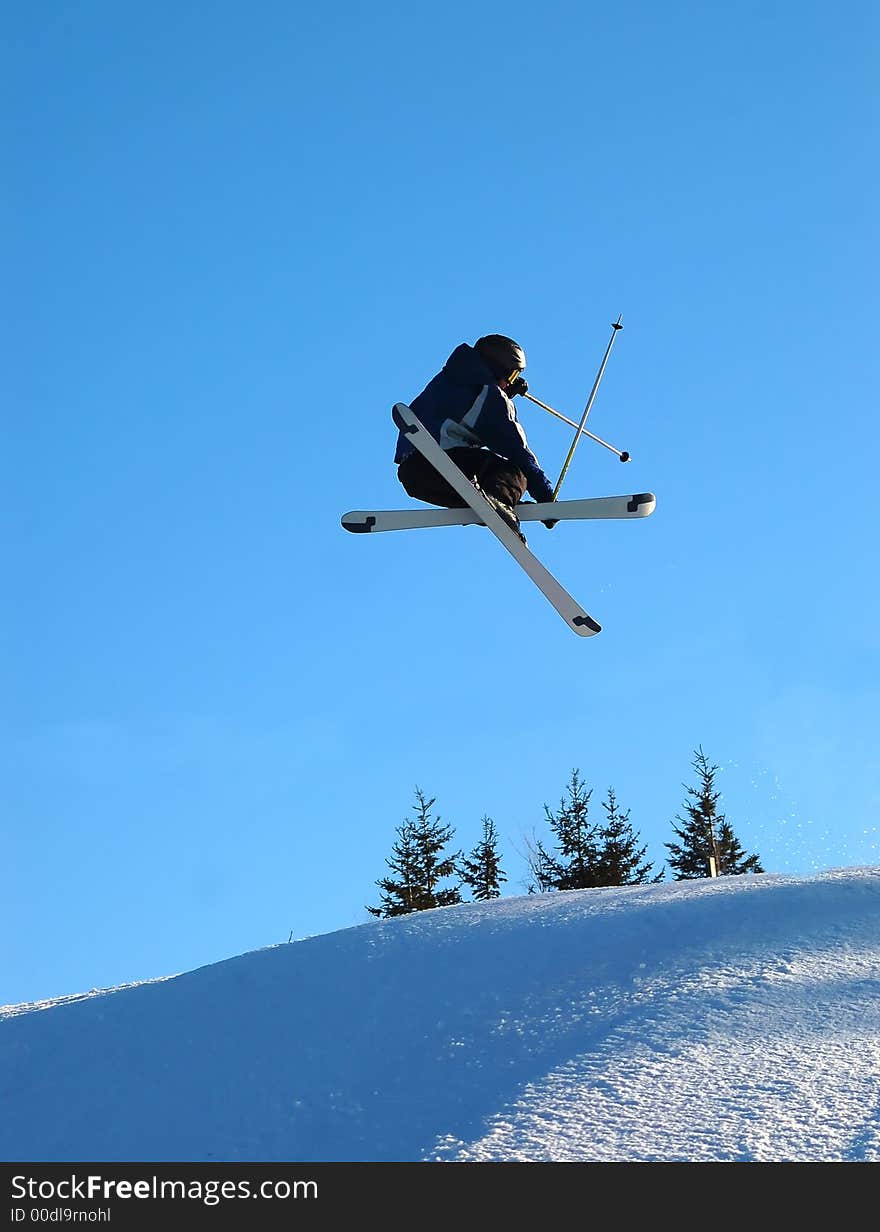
<point x="468" y="409"/>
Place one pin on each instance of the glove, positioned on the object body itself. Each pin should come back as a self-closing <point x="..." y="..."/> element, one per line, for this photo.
<point x="548" y="500"/>
<point x="518" y="386"/>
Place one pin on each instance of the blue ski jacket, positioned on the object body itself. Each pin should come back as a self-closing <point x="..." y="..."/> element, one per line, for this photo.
<point x="463" y="405"/>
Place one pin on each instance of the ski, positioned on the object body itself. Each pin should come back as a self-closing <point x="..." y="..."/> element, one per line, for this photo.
<point x="365" y="521"/>
<point x="570" y="611"/>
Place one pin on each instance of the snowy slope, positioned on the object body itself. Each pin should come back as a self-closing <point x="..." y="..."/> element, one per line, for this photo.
<point x="735" y="1019"/>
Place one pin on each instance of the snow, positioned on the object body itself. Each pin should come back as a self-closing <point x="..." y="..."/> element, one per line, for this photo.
<point x="735" y="1019"/>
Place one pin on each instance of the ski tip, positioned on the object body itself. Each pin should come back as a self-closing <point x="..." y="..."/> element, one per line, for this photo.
<point x="397" y="415"/>
<point x="585" y="625"/>
<point x="358" y="523"/>
<point x="642" y="503"/>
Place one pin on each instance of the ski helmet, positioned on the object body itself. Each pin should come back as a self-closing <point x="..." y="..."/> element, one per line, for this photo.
<point x="504" y="357"/>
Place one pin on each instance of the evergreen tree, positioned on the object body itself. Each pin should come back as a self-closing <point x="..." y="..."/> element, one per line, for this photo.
<point x="577" y="866"/>
<point x="705" y="832"/>
<point x="621" y="860"/>
<point x="420" y="865"/>
<point x="399" y="897"/>
<point x="481" y="871"/>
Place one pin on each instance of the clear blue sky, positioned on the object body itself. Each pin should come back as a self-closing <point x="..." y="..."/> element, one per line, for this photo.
<point x="234" y="240"/>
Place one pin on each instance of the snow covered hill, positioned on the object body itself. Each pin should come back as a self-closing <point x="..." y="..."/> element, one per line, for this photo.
<point x="734" y="1019"/>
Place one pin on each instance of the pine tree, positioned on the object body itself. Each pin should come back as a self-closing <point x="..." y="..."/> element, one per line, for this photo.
<point x="621" y="860"/>
<point x="420" y="866"/>
<point x="577" y="866"/>
<point x="481" y="871"/>
<point x="705" y="832"/>
<point x="400" y="897"/>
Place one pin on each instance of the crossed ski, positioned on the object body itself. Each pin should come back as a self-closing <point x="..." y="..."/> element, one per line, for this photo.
<point x="480" y="512"/>
<point x="367" y="521"/>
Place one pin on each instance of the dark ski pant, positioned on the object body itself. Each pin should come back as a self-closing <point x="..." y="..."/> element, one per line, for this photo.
<point x="494" y="475"/>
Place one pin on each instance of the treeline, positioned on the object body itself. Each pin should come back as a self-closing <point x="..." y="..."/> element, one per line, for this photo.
<point x="585" y="853"/>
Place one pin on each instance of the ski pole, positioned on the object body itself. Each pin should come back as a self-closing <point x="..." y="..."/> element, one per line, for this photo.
<point x="621" y="453"/>
<point x="614" y="328"/>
